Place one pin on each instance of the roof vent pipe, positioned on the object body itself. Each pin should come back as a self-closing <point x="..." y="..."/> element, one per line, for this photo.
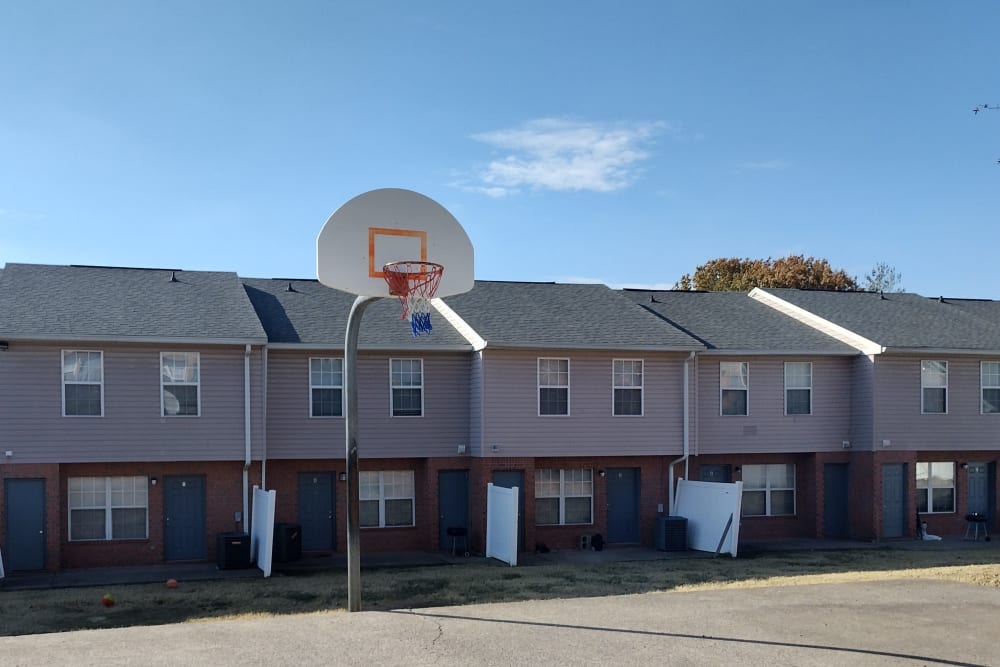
<point x="173" y="277"/>
<point x="289" y="288"/>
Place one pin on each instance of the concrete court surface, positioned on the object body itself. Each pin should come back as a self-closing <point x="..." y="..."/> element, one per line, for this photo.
<point x="874" y="623"/>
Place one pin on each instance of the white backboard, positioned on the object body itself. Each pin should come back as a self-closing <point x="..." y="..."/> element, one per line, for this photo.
<point x="391" y="225"/>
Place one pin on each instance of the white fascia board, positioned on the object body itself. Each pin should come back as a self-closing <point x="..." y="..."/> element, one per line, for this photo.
<point x="339" y="347"/>
<point x="844" y="335"/>
<point x="142" y="340"/>
<point x="776" y="353"/>
<point x="597" y="348"/>
<point x="461" y="326"/>
<point x="942" y="351"/>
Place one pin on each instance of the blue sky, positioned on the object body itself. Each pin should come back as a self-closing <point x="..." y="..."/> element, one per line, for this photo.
<point x="575" y="141"/>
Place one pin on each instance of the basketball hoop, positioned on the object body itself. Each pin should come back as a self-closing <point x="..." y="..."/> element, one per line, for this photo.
<point x="414" y="283"/>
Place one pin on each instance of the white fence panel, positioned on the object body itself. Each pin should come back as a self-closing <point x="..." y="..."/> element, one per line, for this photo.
<point x="501" y="523"/>
<point x="712" y="510"/>
<point x="262" y="529"/>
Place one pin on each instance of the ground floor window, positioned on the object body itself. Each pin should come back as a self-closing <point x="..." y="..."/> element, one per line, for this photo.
<point x="387" y="499"/>
<point x="769" y="489"/>
<point x="935" y="487"/>
<point x="564" y="497"/>
<point x="108" y="508"/>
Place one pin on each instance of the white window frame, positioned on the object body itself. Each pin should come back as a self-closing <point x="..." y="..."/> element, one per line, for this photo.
<point x="382" y="498"/>
<point x="768" y="489"/>
<point x="313" y="385"/>
<point x="743" y="373"/>
<point x="108" y="508"/>
<point x="174" y="383"/>
<point x="393" y="387"/>
<point x="983" y="386"/>
<point x="929" y="489"/>
<point x="615" y="373"/>
<point x="563" y="495"/>
<point x="66" y="382"/>
<point x="789" y="386"/>
<point x="923" y="385"/>
<point x="538" y="379"/>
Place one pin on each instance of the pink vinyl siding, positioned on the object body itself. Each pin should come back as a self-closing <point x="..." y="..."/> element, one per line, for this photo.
<point x="292" y="433"/>
<point x="766" y="427"/>
<point x="132" y="428"/>
<point x="862" y="403"/>
<point x="897" y="396"/>
<point x="513" y="427"/>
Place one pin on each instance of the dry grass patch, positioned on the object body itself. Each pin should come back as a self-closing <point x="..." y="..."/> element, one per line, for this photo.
<point x="477" y="581"/>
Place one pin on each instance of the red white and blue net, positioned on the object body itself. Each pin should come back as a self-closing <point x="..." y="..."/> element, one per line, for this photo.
<point x="414" y="284"/>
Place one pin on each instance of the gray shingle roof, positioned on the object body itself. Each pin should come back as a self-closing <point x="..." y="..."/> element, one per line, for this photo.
<point x="93" y="303"/>
<point x="312" y="314"/>
<point x="552" y="315"/>
<point x="734" y="321"/>
<point x="903" y="320"/>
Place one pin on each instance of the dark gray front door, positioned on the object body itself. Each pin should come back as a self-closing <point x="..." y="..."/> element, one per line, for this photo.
<point x="184" y="517"/>
<point x="893" y="499"/>
<point x="509" y="479"/>
<point x="835" y="517"/>
<point x="317" y="511"/>
<point x="453" y="508"/>
<point x="979" y="489"/>
<point x="24" y="503"/>
<point x="623" y="505"/>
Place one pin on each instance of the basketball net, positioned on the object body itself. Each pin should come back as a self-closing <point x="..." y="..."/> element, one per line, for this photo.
<point x="414" y="284"/>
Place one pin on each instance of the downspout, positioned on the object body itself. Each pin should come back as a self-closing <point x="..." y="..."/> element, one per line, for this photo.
<point x="263" y="419"/>
<point x="686" y="433"/>
<point x="246" y="435"/>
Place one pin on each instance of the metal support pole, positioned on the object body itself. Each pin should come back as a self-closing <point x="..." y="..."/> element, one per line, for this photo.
<point x="353" y="478"/>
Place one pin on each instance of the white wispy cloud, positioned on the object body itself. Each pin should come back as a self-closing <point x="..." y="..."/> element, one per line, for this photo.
<point x="557" y="154"/>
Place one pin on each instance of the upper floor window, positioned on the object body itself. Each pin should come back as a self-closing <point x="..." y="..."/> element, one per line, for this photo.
<point x="769" y="489"/>
<point x="935" y="487"/>
<point x="180" y="378"/>
<point x="564" y="497"/>
<point x="107" y="508"/>
<point x="553" y="386"/>
<point x="934" y="387"/>
<point x="734" y="387"/>
<point x="798" y="388"/>
<point x="386" y="499"/>
<point x="83" y="383"/>
<point x="407" y="380"/>
<point x="627" y="380"/>
<point x="326" y="387"/>
<point x="989" y="382"/>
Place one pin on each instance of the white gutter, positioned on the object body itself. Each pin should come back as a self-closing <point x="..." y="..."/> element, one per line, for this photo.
<point x="686" y="434"/>
<point x="246" y="435"/>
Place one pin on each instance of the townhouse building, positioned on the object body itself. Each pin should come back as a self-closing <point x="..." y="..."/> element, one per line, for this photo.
<point x="773" y="410"/>
<point x="131" y="413"/>
<point x="925" y="435"/>
<point x="138" y="407"/>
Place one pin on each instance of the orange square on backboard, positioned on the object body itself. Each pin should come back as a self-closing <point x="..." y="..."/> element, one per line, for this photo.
<point x="374" y="233"/>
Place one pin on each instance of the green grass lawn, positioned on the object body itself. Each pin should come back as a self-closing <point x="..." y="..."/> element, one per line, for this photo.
<point x="475" y="581"/>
